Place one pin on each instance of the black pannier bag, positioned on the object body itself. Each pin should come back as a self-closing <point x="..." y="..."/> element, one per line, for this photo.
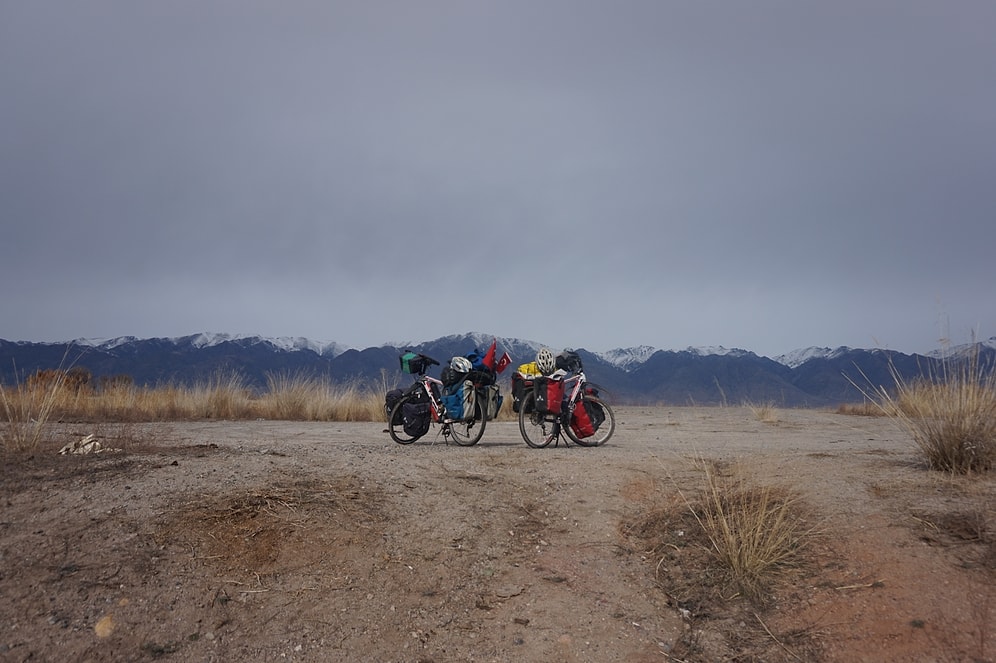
<point x="595" y="412"/>
<point x="549" y="395"/>
<point x="416" y="414"/>
<point x="449" y="377"/>
<point x="520" y="387"/>
<point x="569" y="361"/>
<point x="482" y="378"/>
<point x="390" y="400"/>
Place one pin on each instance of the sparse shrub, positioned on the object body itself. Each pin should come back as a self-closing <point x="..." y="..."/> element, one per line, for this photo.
<point x="764" y="412"/>
<point x="863" y="409"/>
<point x="754" y="530"/>
<point x="951" y="417"/>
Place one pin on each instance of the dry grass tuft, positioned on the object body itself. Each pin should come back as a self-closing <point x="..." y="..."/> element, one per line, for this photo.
<point x="735" y="539"/>
<point x="764" y="412"/>
<point x="753" y="529"/>
<point x="951" y="417"/>
<point x="864" y="409"/>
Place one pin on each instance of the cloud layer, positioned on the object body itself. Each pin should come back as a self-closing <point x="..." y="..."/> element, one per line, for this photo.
<point x="766" y="175"/>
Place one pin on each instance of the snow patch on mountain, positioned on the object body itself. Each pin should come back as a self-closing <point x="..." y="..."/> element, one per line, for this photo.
<point x="210" y="339"/>
<point x="105" y="343"/>
<point x="799" y="357"/>
<point x="627" y="358"/>
<point x="718" y="350"/>
<point x="963" y="349"/>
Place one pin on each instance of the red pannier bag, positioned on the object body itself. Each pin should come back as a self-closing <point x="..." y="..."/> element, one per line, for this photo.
<point x="581" y="422"/>
<point x="549" y="395"/>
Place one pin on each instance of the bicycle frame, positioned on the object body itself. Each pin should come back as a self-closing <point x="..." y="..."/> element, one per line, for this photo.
<point x="433" y="386"/>
<point x="579" y="379"/>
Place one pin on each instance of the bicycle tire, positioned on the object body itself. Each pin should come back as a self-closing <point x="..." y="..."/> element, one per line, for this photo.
<point x="537" y="429"/>
<point x="605" y="430"/>
<point x="397" y="430"/>
<point x="468" y="433"/>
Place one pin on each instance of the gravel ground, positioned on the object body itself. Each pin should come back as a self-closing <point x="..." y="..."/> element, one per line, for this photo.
<point x="289" y="541"/>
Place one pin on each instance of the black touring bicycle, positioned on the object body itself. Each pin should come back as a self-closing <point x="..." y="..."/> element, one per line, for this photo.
<point x="461" y="402"/>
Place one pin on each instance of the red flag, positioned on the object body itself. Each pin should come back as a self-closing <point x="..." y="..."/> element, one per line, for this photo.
<point x="503" y="363"/>
<point x="489" y="356"/>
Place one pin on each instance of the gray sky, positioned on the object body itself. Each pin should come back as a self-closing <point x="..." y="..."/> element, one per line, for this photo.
<point x="768" y="175"/>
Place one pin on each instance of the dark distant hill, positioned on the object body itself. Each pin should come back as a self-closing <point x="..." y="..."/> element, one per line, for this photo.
<point x="689" y="377"/>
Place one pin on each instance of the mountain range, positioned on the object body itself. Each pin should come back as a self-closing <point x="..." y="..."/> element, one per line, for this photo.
<point x="810" y="377"/>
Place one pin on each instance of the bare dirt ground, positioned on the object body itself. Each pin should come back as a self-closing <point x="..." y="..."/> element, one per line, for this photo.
<point x="284" y="541"/>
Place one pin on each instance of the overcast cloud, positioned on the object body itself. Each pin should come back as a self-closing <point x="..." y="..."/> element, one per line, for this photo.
<point x="768" y="175"/>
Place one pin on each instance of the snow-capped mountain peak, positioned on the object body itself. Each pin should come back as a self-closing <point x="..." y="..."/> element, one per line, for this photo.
<point x="626" y="358"/>
<point x="718" y="350"/>
<point x="799" y="357"/>
<point x="211" y="339"/>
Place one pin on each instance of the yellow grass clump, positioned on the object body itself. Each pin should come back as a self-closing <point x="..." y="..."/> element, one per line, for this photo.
<point x="754" y="529"/>
<point x="951" y="416"/>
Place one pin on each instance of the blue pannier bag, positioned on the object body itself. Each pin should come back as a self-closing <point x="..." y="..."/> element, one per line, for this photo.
<point x="459" y="401"/>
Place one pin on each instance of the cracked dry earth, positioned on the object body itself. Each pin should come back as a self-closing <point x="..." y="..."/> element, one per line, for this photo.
<point x="288" y="541"/>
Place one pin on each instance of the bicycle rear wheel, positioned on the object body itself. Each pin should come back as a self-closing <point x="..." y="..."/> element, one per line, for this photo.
<point x="395" y="425"/>
<point x="605" y="429"/>
<point x="469" y="433"/>
<point x="538" y="430"/>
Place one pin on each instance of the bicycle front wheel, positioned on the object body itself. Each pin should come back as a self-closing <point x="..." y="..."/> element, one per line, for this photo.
<point x="538" y="430"/>
<point x="396" y="427"/>
<point x="469" y="433"/>
<point x="605" y="429"/>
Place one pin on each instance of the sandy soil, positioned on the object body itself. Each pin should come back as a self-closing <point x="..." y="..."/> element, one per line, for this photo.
<point x="283" y="541"/>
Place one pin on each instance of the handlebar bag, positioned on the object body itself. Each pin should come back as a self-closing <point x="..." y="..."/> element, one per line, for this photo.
<point x="549" y="394"/>
<point x="412" y="362"/>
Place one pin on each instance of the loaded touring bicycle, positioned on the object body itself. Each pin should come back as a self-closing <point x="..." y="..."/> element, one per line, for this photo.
<point x="460" y="402"/>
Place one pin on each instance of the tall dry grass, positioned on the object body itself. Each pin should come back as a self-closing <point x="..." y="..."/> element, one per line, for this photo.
<point x="951" y="416"/>
<point x="28" y="407"/>
<point x="27" y="410"/>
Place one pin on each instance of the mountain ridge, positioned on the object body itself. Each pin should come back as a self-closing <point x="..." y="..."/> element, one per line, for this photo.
<point x="638" y="375"/>
<point x="620" y="356"/>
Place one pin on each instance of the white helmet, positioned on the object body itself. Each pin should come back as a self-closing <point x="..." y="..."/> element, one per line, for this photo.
<point x="545" y="361"/>
<point x="461" y="365"/>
